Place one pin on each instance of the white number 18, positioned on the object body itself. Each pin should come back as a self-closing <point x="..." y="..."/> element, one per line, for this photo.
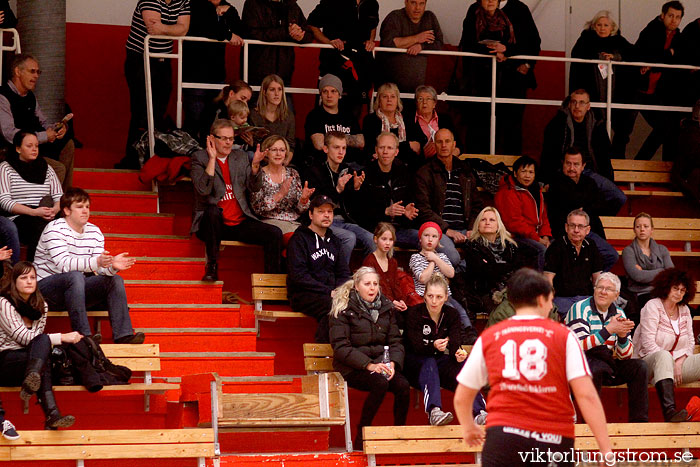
<point x="533" y="360"/>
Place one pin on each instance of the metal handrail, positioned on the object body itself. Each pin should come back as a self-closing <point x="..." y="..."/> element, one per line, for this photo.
<point x="493" y="99"/>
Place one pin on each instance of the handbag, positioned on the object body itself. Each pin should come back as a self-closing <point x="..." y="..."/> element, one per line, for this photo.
<point x="61" y="367"/>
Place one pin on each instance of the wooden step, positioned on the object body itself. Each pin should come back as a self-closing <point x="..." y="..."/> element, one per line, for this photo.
<point x="133" y="223"/>
<point x="154" y="245"/>
<point x="167" y="268"/>
<point x="173" y="291"/>
<point x="257" y="384"/>
<point x="202" y="339"/>
<point x="108" y="179"/>
<point x="123" y="201"/>
<point x="223" y="363"/>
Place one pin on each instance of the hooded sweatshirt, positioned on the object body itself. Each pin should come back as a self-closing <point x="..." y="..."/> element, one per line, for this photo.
<point x="314" y="263"/>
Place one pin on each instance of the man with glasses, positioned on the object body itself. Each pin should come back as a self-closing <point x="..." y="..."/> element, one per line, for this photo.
<point x="19" y="110"/>
<point x="576" y="125"/>
<point x="572" y="262"/>
<point x="572" y="189"/>
<point x="603" y="331"/>
<point x="222" y="179"/>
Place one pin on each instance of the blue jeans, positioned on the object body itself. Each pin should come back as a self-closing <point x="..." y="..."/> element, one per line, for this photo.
<point x="448" y="247"/>
<point x="613" y="195"/>
<point x="407" y="238"/>
<point x="352" y="234"/>
<point x="609" y="254"/>
<point x="564" y="303"/>
<point x="537" y="246"/>
<point x="75" y="292"/>
<point x="466" y="322"/>
<point x="9" y="237"/>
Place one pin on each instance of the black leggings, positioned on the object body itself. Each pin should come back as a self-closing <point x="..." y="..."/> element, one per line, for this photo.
<point x="377" y="385"/>
<point x="13" y="363"/>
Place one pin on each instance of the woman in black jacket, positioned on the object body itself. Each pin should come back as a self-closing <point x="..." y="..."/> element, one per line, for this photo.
<point x="24" y="348"/>
<point x="430" y="329"/>
<point x="362" y="325"/>
<point x="601" y="40"/>
<point x="492" y="256"/>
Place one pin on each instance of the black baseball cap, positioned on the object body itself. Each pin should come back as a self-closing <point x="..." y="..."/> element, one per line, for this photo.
<point x="320" y="200"/>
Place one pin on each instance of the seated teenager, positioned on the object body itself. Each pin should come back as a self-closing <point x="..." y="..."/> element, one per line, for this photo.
<point x="521" y="203"/>
<point x="316" y="265"/>
<point x="492" y="256"/>
<point x="29" y="192"/>
<point x="434" y="356"/>
<point x="75" y="272"/>
<point x="362" y="325"/>
<point x="279" y="199"/>
<point x="25" y="350"/>
<point x="273" y="113"/>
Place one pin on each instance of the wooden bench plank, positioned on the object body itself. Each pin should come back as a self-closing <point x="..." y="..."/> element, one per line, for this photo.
<point x="269" y="280"/>
<point x="318" y="350"/>
<point x="274" y="314"/>
<point x="660" y="223"/>
<point x="90" y="314"/>
<point x="635" y="429"/>
<point x="665" y="235"/>
<point x="270" y="406"/>
<point x="141" y="451"/>
<point x="138" y="364"/>
<point x="645" y="442"/>
<point x="624" y="176"/>
<point x="640" y="193"/>
<point x="130" y="350"/>
<point x="153" y="388"/>
<point x="641" y="166"/>
<point x="157" y="436"/>
<point x="270" y="293"/>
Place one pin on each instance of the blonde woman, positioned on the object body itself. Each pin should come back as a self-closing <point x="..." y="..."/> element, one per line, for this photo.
<point x="362" y="324"/>
<point x="272" y="112"/>
<point x="492" y="256"/>
<point x="279" y="198"/>
<point x="387" y="117"/>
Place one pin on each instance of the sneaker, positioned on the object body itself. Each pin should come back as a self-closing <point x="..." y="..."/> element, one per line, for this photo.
<point x="481" y="418"/>
<point x="439" y="418"/>
<point x="8" y="431"/>
<point x="137" y="338"/>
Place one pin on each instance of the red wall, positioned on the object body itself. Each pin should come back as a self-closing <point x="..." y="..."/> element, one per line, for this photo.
<point x="97" y="92"/>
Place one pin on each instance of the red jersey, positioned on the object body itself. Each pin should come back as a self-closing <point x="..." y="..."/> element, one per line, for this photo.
<point x="528" y="362"/>
<point x="232" y="212"/>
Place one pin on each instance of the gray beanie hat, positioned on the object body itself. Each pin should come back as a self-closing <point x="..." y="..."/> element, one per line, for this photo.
<point x="331" y="80"/>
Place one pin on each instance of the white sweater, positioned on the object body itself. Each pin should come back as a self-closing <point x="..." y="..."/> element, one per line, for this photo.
<point x="14" y="334"/>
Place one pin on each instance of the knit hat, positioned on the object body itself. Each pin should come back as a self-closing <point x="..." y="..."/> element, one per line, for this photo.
<point x="430" y="224"/>
<point x="331" y="80"/>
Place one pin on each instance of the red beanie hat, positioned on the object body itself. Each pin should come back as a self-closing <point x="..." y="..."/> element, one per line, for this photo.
<point x="430" y="224"/>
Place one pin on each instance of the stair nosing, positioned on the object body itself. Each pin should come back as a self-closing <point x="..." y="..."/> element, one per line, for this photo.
<point x="149" y="236"/>
<point x="166" y="215"/>
<point x="223" y="306"/>
<point x="86" y="169"/>
<point x="246" y="379"/>
<point x="216" y="354"/>
<point x="170" y="282"/>
<point x="179" y="259"/>
<point x="195" y="330"/>
<point x="123" y="192"/>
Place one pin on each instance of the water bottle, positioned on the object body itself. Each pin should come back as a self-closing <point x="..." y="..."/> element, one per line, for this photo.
<point x="386" y="359"/>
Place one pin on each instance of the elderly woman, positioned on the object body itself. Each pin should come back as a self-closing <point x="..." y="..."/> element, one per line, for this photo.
<point x="429" y="120"/>
<point x="601" y="40"/>
<point x="272" y="112"/>
<point x="492" y="256"/>
<point x="24" y="348"/>
<point x="279" y="198"/>
<point x="387" y="118"/>
<point x="29" y="191"/>
<point x="521" y="203"/>
<point x="434" y="356"/>
<point x="665" y="341"/>
<point x="362" y="326"/>
<point x="644" y="259"/>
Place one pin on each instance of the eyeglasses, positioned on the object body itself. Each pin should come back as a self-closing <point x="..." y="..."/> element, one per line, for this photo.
<point x="421" y="100"/>
<point x="228" y="139"/>
<point x="577" y="226"/>
<point x="33" y="71"/>
<point x="578" y="103"/>
<point x="281" y="150"/>
<point x="680" y="289"/>
<point x="606" y="289"/>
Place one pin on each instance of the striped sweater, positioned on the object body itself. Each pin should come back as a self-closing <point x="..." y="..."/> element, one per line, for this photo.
<point x="14" y="334"/>
<point x="16" y="190"/>
<point x="589" y="326"/>
<point x="169" y="14"/>
<point x="62" y="249"/>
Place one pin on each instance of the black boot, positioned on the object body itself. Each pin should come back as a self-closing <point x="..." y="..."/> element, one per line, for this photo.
<point x="210" y="273"/>
<point x="32" y="378"/>
<point x="667" y="399"/>
<point x="54" y="419"/>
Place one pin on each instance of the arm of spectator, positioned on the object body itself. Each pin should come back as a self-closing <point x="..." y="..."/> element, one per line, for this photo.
<point x="370" y="43"/>
<point x="7" y="122"/>
<point x="12" y="324"/>
<point x="203" y="169"/>
<point x="6" y="202"/>
<point x="356" y="141"/>
<point x="642" y="276"/>
<point x="323" y="39"/>
<point x="57" y="246"/>
<point x="443" y="263"/>
<point x="649" y="318"/>
<point x="666" y="256"/>
<point x="260" y="27"/>
<point x="152" y="20"/>
<point x="438" y="41"/>
<point x="317" y="139"/>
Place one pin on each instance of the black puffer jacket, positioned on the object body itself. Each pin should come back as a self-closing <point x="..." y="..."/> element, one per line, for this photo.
<point x="358" y="341"/>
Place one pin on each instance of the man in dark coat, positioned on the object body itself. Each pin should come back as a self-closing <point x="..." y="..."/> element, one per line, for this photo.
<point x="273" y="21"/>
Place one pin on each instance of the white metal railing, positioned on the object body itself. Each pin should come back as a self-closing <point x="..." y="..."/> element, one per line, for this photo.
<point x="493" y="99"/>
<point x="15" y="47"/>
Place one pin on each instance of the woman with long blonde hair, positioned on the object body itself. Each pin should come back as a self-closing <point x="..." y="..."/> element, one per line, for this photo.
<point x="273" y="113"/>
<point x="362" y="326"/>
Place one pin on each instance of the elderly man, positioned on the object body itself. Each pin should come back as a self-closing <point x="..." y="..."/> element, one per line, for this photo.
<point x="603" y="331"/>
<point x="386" y="194"/>
<point x="573" y="189"/>
<point x="576" y="125"/>
<point x="327" y="117"/>
<point x="446" y="194"/>
<point x="415" y="29"/>
<point x="222" y="178"/>
<point x="572" y="262"/>
<point x="19" y="110"/>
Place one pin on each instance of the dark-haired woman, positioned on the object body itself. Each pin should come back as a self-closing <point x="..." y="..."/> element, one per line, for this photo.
<point x="24" y="348"/>
<point x="664" y="338"/>
<point x="520" y="201"/>
<point x="29" y="190"/>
